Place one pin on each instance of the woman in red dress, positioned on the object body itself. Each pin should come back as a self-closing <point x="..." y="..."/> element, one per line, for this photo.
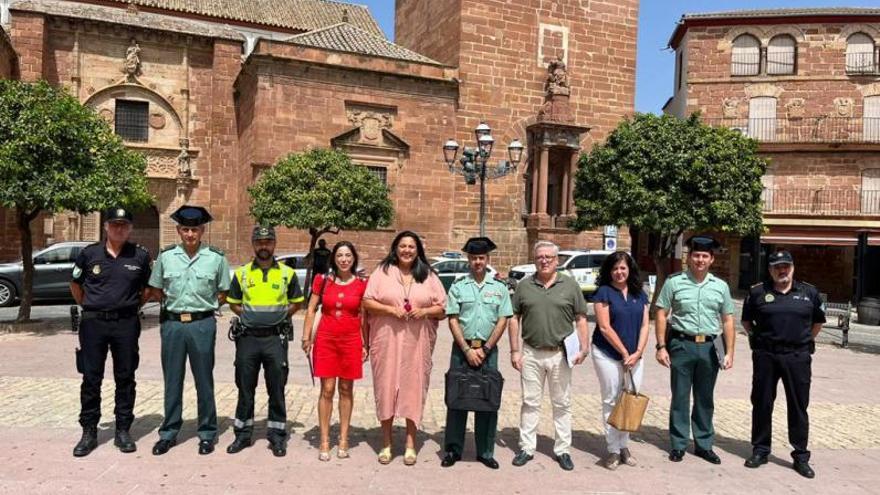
<point x="337" y="349"/>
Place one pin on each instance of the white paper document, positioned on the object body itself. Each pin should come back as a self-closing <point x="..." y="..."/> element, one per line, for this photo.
<point x="572" y="347"/>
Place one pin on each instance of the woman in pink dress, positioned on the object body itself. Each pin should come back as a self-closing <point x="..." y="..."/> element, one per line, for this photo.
<point x="339" y="351"/>
<point x="405" y="301"/>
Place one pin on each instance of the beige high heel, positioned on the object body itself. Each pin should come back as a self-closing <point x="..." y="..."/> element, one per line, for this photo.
<point x="385" y="455"/>
<point x="410" y="457"/>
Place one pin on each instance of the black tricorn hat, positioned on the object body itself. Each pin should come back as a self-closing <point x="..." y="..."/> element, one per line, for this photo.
<point x="479" y="245"/>
<point x="191" y="216"/>
<point x="703" y="243"/>
<point x="118" y="215"/>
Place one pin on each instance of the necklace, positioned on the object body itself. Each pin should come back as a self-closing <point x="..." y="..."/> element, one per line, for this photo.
<point x="407" y="287"/>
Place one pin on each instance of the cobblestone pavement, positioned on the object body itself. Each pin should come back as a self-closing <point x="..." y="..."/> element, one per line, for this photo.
<point x="39" y="403"/>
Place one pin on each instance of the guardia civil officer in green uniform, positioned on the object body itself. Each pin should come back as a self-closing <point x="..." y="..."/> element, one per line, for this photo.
<point x="191" y="279"/>
<point x="695" y="337"/>
<point x="264" y="294"/>
<point x="783" y="317"/>
<point x="478" y="308"/>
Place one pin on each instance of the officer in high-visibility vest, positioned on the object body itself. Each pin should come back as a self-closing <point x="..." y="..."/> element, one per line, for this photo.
<point x="264" y="294"/>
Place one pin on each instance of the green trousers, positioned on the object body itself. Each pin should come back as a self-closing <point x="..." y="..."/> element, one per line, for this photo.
<point x="694" y="367"/>
<point x="485" y="423"/>
<point x="194" y="340"/>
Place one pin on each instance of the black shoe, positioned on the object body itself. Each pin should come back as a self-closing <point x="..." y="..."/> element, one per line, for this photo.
<point x="240" y="443"/>
<point x="522" y="458"/>
<point x="163" y="446"/>
<point x="489" y="462"/>
<point x="676" y="455"/>
<point x="87" y="443"/>
<point x="756" y="460"/>
<point x="450" y="459"/>
<point x="206" y="447"/>
<point x="803" y="468"/>
<point x="278" y="447"/>
<point x="124" y="442"/>
<point x="564" y="461"/>
<point x="707" y="455"/>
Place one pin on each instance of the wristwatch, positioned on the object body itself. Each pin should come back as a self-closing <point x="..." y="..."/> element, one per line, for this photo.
<point x="659" y="346"/>
<point x="487" y="349"/>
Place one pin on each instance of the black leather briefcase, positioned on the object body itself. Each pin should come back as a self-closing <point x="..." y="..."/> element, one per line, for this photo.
<point x="474" y="389"/>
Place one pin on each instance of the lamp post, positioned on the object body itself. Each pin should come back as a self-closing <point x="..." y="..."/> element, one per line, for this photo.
<point x="474" y="163"/>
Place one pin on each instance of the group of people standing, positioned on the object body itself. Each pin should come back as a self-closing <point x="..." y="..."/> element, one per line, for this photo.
<point x="391" y="320"/>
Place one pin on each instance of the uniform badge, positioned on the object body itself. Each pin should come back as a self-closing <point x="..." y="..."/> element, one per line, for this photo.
<point x="96" y="269"/>
<point x="769" y="298"/>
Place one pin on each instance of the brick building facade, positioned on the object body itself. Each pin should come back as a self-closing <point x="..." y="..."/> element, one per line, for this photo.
<point x="224" y="92"/>
<point x="805" y="83"/>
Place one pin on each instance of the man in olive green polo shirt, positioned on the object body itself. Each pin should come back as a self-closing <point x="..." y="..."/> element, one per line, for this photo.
<point x="545" y="305"/>
<point x="478" y="308"/>
<point x="191" y="279"/>
<point x="688" y="342"/>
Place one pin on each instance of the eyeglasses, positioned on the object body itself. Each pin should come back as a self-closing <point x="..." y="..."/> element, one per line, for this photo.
<point x="545" y="258"/>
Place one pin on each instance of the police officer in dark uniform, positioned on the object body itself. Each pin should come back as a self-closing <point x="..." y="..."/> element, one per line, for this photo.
<point x="109" y="279"/>
<point x="783" y="317"/>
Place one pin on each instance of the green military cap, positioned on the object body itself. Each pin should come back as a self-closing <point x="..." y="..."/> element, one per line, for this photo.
<point x="261" y="232"/>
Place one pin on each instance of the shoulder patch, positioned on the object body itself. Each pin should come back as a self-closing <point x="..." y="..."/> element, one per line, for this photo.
<point x="216" y="250"/>
<point x="807" y="284"/>
<point x="142" y="248"/>
<point x="168" y="247"/>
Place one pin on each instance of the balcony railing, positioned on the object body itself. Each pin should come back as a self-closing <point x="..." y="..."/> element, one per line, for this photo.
<point x="861" y="63"/>
<point x="821" y="202"/>
<point x="806" y="130"/>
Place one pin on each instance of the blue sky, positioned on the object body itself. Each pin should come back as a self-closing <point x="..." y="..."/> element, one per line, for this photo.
<point x="657" y="19"/>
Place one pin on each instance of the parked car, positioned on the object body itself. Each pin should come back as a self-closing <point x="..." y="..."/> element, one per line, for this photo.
<point x="52" y="271"/>
<point x="450" y="269"/>
<point x="582" y="265"/>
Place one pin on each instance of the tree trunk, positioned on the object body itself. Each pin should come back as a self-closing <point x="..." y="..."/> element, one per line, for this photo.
<point x="661" y="255"/>
<point x="27" y="259"/>
<point x="307" y="283"/>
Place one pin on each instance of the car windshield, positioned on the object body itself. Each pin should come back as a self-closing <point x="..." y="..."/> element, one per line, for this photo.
<point x="563" y="258"/>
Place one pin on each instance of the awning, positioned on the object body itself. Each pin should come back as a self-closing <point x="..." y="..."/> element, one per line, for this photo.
<point x="817" y="236"/>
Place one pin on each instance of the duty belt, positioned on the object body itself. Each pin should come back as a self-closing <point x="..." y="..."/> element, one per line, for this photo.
<point x="781" y="347"/>
<point x="699" y="339"/>
<point x="185" y="317"/>
<point x="263" y="331"/>
<point x="118" y="314"/>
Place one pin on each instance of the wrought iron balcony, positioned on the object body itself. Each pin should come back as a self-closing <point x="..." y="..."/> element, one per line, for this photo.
<point x="821" y="202"/>
<point x="806" y="130"/>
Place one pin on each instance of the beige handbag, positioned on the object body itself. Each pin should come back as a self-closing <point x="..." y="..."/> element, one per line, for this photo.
<point x="630" y="408"/>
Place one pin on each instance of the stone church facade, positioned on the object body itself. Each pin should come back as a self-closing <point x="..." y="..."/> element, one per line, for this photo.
<point x="212" y="95"/>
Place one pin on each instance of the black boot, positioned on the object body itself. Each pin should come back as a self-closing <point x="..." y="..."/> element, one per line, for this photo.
<point x="124" y="442"/>
<point x="87" y="443"/>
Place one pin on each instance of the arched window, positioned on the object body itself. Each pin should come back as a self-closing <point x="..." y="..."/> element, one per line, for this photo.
<point x="746" y="56"/>
<point x="860" y="54"/>
<point x="781" y="55"/>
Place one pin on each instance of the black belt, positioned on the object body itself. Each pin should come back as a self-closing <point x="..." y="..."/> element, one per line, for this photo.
<point x="262" y="331"/>
<point x="118" y="314"/>
<point x="185" y="317"/>
<point x="699" y="339"/>
<point x="781" y="347"/>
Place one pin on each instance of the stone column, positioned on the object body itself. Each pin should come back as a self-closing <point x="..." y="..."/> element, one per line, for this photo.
<point x="575" y="156"/>
<point x="542" y="180"/>
<point x="533" y="207"/>
<point x="566" y="190"/>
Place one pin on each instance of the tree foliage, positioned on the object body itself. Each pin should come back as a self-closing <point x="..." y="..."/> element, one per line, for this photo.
<point x="320" y="191"/>
<point x="56" y="154"/>
<point x="665" y="175"/>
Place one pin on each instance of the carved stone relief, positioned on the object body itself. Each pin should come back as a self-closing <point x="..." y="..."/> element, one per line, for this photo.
<point x="795" y="108"/>
<point x="730" y="108"/>
<point x="106" y="114"/>
<point x="157" y="120"/>
<point x="371" y="123"/>
<point x="843" y="107"/>
<point x="131" y="66"/>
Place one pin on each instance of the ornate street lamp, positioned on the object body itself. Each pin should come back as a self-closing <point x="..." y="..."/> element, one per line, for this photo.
<point x="473" y="163"/>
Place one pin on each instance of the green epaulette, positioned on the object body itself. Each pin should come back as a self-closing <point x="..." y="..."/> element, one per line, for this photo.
<point x="216" y="250"/>
<point x="169" y="247"/>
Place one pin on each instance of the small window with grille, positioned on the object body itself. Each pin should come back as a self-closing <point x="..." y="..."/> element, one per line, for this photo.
<point x="132" y="120"/>
<point x="380" y="172"/>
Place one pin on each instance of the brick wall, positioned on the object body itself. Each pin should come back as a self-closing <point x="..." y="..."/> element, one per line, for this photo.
<point x="430" y="28"/>
<point x="29" y="35"/>
<point x="8" y="57"/>
<point x="502" y="82"/>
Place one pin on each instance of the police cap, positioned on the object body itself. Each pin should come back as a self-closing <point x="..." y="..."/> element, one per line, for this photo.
<point x="703" y="243"/>
<point x="479" y="245"/>
<point x="261" y="233"/>
<point x="780" y="258"/>
<point x="191" y="216"/>
<point x="118" y="215"/>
